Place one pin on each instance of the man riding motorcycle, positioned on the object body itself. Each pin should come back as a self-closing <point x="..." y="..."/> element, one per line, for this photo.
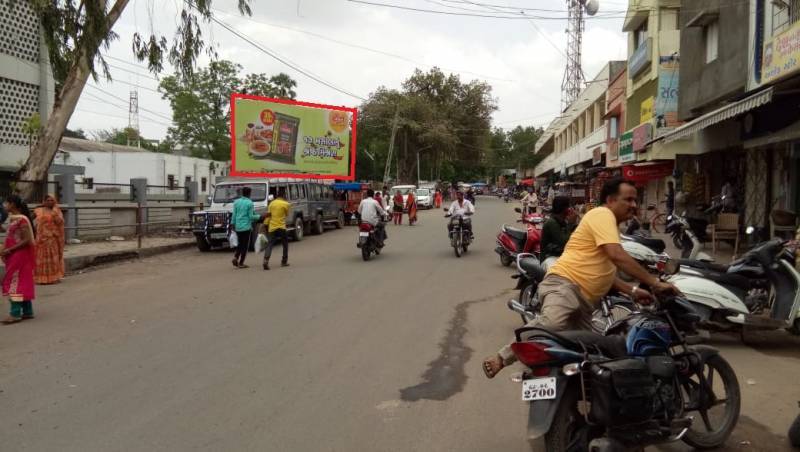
<point x="371" y="211"/>
<point x="587" y="270"/>
<point x="460" y="208"/>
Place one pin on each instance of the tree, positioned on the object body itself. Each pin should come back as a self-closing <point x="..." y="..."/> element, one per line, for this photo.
<point x="31" y="128"/>
<point x="444" y="121"/>
<point x="79" y="133"/>
<point x="75" y="32"/>
<point x="201" y="104"/>
<point x="121" y="137"/>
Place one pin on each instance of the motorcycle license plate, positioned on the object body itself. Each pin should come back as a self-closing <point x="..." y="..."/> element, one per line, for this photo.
<point x="539" y="389"/>
<point x="363" y="234"/>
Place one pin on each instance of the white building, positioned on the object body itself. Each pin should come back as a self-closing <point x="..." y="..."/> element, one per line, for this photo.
<point x="26" y="81"/>
<point x="107" y="163"/>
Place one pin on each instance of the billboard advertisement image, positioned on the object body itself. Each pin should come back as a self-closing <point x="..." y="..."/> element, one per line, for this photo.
<point x="286" y="138"/>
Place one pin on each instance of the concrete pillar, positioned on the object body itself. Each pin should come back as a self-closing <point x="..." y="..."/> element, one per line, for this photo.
<point x="66" y="197"/>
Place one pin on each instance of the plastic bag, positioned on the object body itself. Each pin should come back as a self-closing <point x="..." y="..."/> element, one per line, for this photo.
<point x="261" y="243"/>
<point x="233" y="239"/>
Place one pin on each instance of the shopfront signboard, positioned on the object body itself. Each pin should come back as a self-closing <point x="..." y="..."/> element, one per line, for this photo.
<point x="647" y="172"/>
<point x="626" y="147"/>
<point x="781" y="55"/>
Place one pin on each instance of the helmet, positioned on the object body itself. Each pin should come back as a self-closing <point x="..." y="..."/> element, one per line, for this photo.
<point x="648" y="336"/>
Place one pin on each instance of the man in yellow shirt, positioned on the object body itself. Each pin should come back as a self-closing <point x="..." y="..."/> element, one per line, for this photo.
<point x="275" y="220"/>
<point x="587" y="270"/>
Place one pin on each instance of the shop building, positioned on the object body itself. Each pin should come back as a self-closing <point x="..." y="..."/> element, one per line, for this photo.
<point x="576" y="141"/>
<point x="651" y="109"/>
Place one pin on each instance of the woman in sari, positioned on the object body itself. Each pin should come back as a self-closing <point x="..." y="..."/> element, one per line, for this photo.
<point x="49" y="242"/>
<point x="19" y="255"/>
<point x="397" y="207"/>
<point x="411" y="206"/>
<point x="437" y="199"/>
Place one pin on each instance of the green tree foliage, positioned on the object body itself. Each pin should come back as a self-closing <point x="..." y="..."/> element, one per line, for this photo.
<point x="513" y="149"/>
<point x="78" y="133"/>
<point x="444" y="120"/>
<point x="121" y="136"/>
<point x="201" y="104"/>
<point x="76" y="31"/>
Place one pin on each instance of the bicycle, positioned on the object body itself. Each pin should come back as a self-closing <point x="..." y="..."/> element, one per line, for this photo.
<point x="658" y="221"/>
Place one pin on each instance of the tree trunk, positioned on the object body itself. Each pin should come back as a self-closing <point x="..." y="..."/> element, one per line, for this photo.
<point x="35" y="168"/>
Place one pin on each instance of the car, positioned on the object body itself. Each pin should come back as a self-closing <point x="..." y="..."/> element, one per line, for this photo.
<point x="424" y="198"/>
<point x="404" y="190"/>
<point x="313" y="206"/>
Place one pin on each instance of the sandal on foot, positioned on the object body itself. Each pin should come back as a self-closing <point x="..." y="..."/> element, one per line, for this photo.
<point x="11" y="320"/>
<point x="492" y="365"/>
<point x="28" y="317"/>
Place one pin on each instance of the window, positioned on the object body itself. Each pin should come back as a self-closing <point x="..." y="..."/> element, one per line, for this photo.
<point x="640" y="35"/>
<point x="293" y="192"/>
<point x="203" y="184"/>
<point x="88" y="182"/>
<point x="711" y="36"/>
<point x="171" y="181"/>
<point x="187" y="181"/>
<point x="613" y="127"/>
<point x="302" y="191"/>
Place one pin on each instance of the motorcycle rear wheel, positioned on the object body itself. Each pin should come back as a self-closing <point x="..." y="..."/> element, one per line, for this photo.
<point x="365" y="254"/>
<point x="699" y="435"/>
<point x="506" y="260"/>
<point x="569" y="431"/>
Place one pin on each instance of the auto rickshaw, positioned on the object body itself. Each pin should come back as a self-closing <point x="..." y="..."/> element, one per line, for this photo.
<point x="349" y="197"/>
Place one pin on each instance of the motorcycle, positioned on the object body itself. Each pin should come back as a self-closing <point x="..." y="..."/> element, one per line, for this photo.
<point x="641" y="384"/>
<point x="512" y="241"/>
<point x="529" y="274"/>
<point x="460" y="237"/>
<point x="368" y="240"/>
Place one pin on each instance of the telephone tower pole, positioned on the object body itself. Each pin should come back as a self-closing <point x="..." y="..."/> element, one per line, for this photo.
<point x="573" y="74"/>
<point x="133" y="120"/>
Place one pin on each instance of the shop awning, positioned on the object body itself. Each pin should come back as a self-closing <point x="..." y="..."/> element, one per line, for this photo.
<point x="719" y="115"/>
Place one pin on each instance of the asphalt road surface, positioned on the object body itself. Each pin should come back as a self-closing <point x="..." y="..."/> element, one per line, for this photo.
<point x="184" y="352"/>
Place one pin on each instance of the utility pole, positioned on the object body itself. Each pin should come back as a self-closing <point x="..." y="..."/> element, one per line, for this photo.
<point x="391" y="145"/>
<point x="133" y="120"/>
<point x="418" y="167"/>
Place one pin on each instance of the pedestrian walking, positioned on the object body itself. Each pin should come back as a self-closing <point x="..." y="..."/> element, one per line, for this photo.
<point x="275" y="220"/>
<point x="437" y="199"/>
<point x="242" y="223"/>
<point x="19" y="256"/>
<point x="411" y="206"/>
<point x="397" y="208"/>
<point x="49" y="223"/>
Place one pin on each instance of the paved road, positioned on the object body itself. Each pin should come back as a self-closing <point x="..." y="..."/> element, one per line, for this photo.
<point x="184" y="352"/>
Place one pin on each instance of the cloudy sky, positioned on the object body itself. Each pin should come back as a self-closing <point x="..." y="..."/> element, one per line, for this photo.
<point x="357" y="47"/>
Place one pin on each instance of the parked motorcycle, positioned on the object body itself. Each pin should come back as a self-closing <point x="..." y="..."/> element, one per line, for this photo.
<point x="460" y="236"/>
<point x="529" y="274"/>
<point x="640" y="385"/>
<point x="512" y="241"/>
<point x="368" y="240"/>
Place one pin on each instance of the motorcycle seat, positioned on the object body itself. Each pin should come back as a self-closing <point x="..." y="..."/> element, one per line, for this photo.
<point x="728" y="279"/>
<point x="702" y="265"/>
<point x="656" y="245"/>
<point x="517" y="234"/>
<point x="532" y="268"/>
<point x="612" y="346"/>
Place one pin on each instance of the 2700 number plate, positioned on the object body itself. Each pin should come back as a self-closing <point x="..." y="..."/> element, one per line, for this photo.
<point x="539" y="389"/>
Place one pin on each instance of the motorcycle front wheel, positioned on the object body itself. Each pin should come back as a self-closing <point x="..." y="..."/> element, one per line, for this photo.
<point x="718" y="410"/>
<point x="457" y="244"/>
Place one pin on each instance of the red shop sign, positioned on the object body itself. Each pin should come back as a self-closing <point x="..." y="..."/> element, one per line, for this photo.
<point x="644" y="173"/>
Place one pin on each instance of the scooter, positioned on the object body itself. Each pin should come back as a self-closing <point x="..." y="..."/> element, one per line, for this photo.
<point x="512" y="241"/>
<point x="529" y="274"/>
<point x="763" y="281"/>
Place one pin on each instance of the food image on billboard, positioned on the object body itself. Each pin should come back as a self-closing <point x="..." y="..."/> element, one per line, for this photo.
<point x="280" y="138"/>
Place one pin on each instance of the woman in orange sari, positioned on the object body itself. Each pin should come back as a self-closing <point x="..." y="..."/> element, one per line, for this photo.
<point x="411" y="206"/>
<point x="49" y="242"/>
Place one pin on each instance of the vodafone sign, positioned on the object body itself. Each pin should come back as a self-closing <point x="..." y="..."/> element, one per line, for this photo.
<point x="644" y="173"/>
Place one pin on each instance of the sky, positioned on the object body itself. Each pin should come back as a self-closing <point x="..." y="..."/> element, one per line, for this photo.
<point x="346" y="44"/>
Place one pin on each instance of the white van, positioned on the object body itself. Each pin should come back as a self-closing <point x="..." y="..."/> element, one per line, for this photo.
<point x="404" y="190"/>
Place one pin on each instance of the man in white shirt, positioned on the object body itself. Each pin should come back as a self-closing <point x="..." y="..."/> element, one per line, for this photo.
<point x="461" y="208"/>
<point x="530" y="202"/>
<point x="370" y="211"/>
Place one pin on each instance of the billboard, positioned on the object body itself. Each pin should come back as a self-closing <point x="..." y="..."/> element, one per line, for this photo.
<point x="666" y="109"/>
<point x="286" y="138"/>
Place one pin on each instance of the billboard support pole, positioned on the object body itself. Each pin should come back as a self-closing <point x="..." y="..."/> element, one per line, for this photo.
<point x="391" y="145"/>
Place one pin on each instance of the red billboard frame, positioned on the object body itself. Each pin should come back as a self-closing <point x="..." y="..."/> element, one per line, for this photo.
<point x="353" y="111"/>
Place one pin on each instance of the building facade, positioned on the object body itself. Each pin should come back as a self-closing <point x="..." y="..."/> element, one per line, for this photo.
<point x="26" y="81"/>
<point x="106" y="163"/>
